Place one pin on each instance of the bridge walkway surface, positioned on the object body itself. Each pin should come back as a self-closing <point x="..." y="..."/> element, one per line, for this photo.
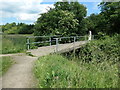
<point x="61" y="48"/>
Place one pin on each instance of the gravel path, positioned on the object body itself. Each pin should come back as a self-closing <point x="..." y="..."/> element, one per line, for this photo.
<point x="21" y="75"/>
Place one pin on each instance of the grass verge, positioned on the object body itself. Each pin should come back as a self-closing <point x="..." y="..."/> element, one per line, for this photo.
<point x="56" y="71"/>
<point x="14" y="44"/>
<point x="5" y="63"/>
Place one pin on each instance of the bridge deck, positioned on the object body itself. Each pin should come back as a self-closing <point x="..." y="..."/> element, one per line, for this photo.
<point x="52" y="49"/>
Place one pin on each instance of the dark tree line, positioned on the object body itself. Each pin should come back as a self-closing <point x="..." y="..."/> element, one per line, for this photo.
<point x="19" y="28"/>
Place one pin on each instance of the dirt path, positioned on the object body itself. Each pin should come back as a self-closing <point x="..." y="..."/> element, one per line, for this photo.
<point x="20" y="75"/>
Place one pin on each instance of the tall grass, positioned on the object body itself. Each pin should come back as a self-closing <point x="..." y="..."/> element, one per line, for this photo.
<point x="95" y="65"/>
<point x="5" y="63"/>
<point x="56" y="71"/>
<point x="13" y="43"/>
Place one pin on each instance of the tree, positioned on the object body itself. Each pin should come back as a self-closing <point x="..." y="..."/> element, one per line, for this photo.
<point x="12" y="30"/>
<point x="111" y="12"/>
<point x="65" y="19"/>
<point x="25" y="29"/>
<point x="77" y="9"/>
<point x="19" y="28"/>
<point x="56" y="23"/>
<point x="96" y="23"/>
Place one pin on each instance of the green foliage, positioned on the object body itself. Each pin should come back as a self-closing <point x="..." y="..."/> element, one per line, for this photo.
<point x="96" y="23"/>
<point x="19" y="28"/>
<point x="105" y="49"/>
<point x="111" y="13"/>
<point x="56" y="23"/>
<point x="77" y="9"/>
<point x="5" y="63"/>
<point x="25" y="29"/>
<point x="13" y="44"/>
<point x="64" y="19"/>
<point x="108" y="21"/>
<point x="55" y="71"/>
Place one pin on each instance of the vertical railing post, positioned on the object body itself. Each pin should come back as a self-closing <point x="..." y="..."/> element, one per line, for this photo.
<point x="74" y="45"/>
<point x="28" y="43"/>
<point x="50" y="41"/>
<point x="92" y="37"/>
<point x="56" y="45"/>
<point x="85" y="38"/>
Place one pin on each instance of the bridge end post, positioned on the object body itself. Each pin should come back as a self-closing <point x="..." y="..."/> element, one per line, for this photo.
<point x="90" y="36"/>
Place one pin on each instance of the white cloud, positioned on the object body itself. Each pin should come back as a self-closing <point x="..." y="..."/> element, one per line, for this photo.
<point x="23" y="10"/>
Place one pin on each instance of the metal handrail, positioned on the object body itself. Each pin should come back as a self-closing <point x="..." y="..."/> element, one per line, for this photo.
<point x="52" y="39"/>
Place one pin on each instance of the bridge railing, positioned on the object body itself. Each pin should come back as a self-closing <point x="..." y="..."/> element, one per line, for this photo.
<point x="73" y="40"/>
<point x="54" y="40"/>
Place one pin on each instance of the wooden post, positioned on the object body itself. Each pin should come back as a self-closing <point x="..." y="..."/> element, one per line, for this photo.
<point x="28" y="43"/>
<point x="56" y="45"/>
<point x="50" y="41"/>
<point x="90" y="36"/>
<point x="74" y="45"/>
<point x="85" y="38"/>
<point x="93" y="37"/>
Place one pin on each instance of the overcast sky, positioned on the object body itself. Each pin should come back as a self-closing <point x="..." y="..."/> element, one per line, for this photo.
<point x="27" y="11"/>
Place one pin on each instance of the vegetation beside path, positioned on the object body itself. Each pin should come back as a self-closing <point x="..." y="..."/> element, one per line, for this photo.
<point x="55" y="71"/>
<point x="95" y="65"/>
<point x="14" y="44"/>
<point x="5" y="64"/>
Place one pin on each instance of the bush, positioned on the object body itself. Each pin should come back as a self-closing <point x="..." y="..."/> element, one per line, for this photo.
<point x="101" y="50"/>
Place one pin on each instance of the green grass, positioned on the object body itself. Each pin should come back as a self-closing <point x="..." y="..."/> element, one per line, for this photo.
<point x="5" y="63"/>
<point x="56" y="71"/>
<point x="14" y="44"/>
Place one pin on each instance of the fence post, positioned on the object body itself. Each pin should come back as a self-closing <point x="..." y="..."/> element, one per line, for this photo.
<point x="28" y="43"/>
<point x="93" y="37"/>
<point x="85" y="38"/>
<point x="74" y="44"/>
<point x="50" y="41"/>
<point x="56" y="45"/>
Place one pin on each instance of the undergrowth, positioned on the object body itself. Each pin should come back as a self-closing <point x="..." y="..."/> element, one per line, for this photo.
<point x="107" y="49"/>
<point x="56" y="71"/>
<point x="14" y="44"/>
<point x="5" y="63"/>
<point x="95" y="65"/>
